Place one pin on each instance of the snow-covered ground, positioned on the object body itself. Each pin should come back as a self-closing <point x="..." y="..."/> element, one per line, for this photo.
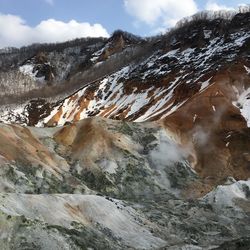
<point x="28" y="69"/>
<point x="226" y="196"/>
<point x="243" y="103"/>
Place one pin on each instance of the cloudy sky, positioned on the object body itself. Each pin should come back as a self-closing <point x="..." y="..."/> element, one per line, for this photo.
<point x="23" y="22"/>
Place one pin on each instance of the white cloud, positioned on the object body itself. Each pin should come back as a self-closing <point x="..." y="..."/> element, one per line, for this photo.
<point x="212" y="5"/>
<point x="161" y="13"/>
<point x="15" y="32"/>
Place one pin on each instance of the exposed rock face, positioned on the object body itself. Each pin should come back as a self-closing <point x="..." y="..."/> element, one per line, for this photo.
<point x="56" y="191"/>
<point x="113" y="157"/>
<point x="117" y="43"/>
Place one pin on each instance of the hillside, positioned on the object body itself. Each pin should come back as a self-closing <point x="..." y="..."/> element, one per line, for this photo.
<point x="154" y="77"/>
<point x="129" y="142"/>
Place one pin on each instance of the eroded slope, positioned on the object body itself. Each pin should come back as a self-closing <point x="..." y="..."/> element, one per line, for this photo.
<point x="111" y="185"/>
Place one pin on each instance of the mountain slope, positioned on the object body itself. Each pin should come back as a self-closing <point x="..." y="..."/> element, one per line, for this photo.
<point x="181" y="65"/>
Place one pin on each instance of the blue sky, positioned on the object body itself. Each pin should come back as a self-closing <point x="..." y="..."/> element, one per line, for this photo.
<point x="26" y="21"/>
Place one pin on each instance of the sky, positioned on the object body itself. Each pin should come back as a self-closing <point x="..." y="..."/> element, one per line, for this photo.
<point x="23" y="22"/>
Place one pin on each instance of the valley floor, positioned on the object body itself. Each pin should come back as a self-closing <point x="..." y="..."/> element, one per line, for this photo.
<point x="103" y="184"/>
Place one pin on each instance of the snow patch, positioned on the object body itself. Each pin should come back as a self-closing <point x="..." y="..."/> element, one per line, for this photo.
<point x="225" y="196"/>
<point x="194" y="118"/>
<point x="207" y="33"/>
<point x="243" y="103"/>
<point x="247" y="69"/>
<point x="205" y="84"/>
<point x="28" y="69"/>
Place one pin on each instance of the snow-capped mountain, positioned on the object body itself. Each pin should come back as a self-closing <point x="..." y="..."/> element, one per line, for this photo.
<point x="187" y="62"/>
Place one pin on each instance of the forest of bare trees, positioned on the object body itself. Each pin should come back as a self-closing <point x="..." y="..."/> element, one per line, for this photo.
<point x="71" y="57"/>
<point x="11" y="57"/>
<point x="212" y="15"/>
<point x="130" y="55"/>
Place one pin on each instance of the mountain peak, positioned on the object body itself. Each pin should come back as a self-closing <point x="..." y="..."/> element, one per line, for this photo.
<point x="128" y="37"/>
